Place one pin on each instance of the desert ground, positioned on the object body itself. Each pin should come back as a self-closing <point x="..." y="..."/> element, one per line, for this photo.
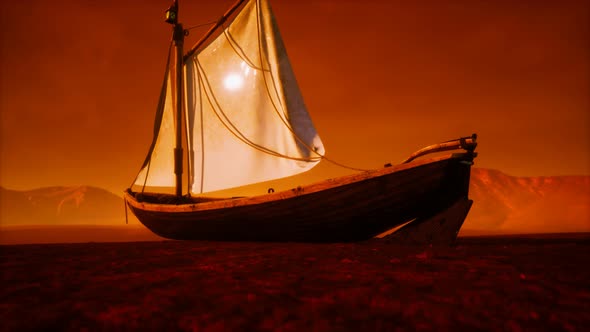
<point x="501" y="283"/>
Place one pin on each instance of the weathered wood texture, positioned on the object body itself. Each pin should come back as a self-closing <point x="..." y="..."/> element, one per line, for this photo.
<point x="351" y="208"/>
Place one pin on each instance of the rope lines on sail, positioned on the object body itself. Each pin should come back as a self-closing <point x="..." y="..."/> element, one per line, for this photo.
<point x="229" y="125"/>
<point x="238" y="50"/>
<point x="235" y="46"/>
<point x="285" y="114"/>
<point x="274" y="85"/>
<point x="242" y="55"/>
<point x="210" y="32"/>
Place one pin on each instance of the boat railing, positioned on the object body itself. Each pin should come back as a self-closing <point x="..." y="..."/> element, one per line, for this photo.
<point x="467" y="143"/>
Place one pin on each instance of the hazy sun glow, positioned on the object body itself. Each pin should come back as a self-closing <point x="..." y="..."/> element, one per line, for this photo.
<point x="233" y="81"/>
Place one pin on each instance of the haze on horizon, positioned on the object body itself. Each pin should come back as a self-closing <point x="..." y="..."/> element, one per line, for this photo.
<point x="80" y="82"/>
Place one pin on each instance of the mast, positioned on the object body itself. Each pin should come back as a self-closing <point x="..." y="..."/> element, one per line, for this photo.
<point x="178" y="37"/>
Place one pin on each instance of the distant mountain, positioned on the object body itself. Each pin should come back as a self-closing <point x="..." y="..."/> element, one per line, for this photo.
<point x="59" y="206"/>
<point x="509" y="204"/>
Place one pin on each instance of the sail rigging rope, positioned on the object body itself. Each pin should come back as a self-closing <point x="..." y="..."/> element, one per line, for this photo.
<point x="202" y="138"/>
<point x="230" y="126"/>
<point x="285" y="115"/>
<point x="202" y="25"/>
<point x="219" y="113"/>
<point x="238" y="50"/>
<point x="148" y="161"/>
<point x="160" y="109"/>
<point x="274" y="85"/>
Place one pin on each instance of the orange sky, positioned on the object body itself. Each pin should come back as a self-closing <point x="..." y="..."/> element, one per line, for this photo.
<point x="381" y="79"/>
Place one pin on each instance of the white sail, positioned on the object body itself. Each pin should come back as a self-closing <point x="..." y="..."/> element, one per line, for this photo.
<point x="159" y="168"/>
<point x="247" y="121"/>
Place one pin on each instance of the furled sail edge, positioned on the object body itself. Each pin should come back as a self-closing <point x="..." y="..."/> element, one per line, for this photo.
<point x="157" y="122"/>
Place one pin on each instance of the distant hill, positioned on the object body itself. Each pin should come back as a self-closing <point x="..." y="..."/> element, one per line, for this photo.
<point x="60" y="206"/>
<point x="509" y="204"/>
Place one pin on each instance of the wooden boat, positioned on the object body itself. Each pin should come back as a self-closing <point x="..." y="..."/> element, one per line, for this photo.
<point x="246" y="122"/>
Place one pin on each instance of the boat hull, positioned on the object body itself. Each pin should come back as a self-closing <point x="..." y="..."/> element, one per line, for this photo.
<point x="352" y="208"/>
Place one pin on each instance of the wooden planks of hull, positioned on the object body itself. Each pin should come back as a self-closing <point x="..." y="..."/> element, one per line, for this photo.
<point x="353" y="209"/>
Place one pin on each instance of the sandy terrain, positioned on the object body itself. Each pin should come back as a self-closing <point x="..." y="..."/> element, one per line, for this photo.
<point x="494" y="284"/>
